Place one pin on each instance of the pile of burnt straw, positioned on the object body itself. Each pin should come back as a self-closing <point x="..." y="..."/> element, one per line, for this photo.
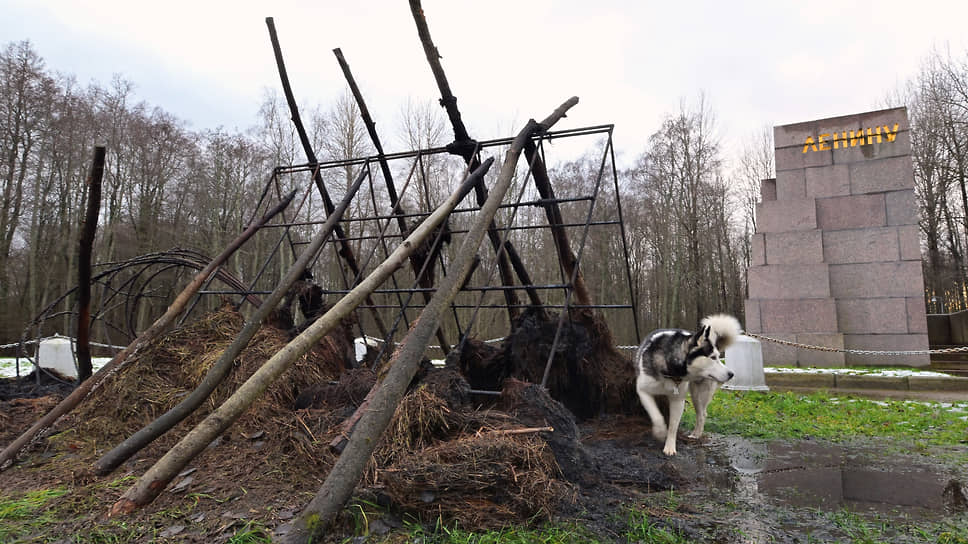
<point x="444" y="456"/>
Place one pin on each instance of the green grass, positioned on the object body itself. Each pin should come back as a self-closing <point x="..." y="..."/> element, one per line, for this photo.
<point x="636" y="527"/>
<point x="252" y="533"/>
<point x="22" y="514"/>
<point x="882" y="530"/>
<point x="551" y="534"/>
<point x="833" y="417"/>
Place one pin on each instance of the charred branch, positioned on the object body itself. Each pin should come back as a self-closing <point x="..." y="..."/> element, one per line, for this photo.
<point x="550" y="204"/>
<point x="422" y="258"/>
<point x="346" y="251"/>
<point x="463" y="146"/>
<point x="88" y="231"/>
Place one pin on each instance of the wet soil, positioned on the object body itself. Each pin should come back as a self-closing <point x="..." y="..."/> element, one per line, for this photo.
<point x="743" y="491"/>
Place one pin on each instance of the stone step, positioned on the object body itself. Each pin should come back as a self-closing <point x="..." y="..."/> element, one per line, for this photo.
<point x="861" y="381"/>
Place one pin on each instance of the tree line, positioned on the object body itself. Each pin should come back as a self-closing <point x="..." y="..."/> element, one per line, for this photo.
<point x="688" y="208"/>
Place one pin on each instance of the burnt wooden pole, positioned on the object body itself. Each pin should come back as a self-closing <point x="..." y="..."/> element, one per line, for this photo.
<point x="346" y="251"/>
<point x="425" y="279"/>
<point x="464" y="146"/>
<point x="85" y="250"/>
<point x="565" y="255"/>
<point x="346" y="472"/>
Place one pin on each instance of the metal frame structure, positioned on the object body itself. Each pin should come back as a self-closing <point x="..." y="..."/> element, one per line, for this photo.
<point x="378" y="234"/>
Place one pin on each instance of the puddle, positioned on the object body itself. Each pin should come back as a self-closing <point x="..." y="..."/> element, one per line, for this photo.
<point x="833" y="478"/>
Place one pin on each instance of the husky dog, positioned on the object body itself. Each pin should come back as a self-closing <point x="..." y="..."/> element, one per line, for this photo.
<point x="670" y="359"/>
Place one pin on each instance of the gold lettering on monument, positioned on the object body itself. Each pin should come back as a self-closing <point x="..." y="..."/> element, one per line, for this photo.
<point x="850" y="138"/>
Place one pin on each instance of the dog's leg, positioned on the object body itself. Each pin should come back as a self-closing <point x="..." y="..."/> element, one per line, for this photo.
<point x="658" y="422"/>
<point x="676" y="406"/>
<point x="701" y="393"/>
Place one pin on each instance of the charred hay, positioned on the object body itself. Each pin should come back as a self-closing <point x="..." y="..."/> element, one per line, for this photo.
<point x="588" y="375"/>
<point x="164" y="371"/>
<point x="442" y="457"/>
<point x="481" y="481"/>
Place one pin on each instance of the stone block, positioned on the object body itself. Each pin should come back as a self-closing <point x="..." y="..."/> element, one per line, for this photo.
<point x="818" y="358"/>
<point x="900" y="147"/>
<point x="775" y="354"/>
<point x="902" y="207"/>
<point x="887" y="342"/>
<point x="909" y="242"/>
<point x="757" y="249"/>
<point x="793" y="158"/>
<point x="887" y="117"/>
<point x="796" y="379"/>
<point x="860" y="245"/>
<point x="786" y="215"/>
<point x="768" y="190"/>
<point x="893" y="279"/>
<point x="790" y="185"/>
<point x="795" y="134"/>
<point x="788" y="281"/>
<point x="872" y="315"/>
<point x="797" y="247"/>
<point x="894" y="383"/>
<point x="878" y="176"/>
<point x="752" y="314"/>
<point x="817" y="315"/>
<point x="916" y="315"/>
<point x="825" y="181"/>
<point x="932" y="383"/>
<point x="851" y="212"/>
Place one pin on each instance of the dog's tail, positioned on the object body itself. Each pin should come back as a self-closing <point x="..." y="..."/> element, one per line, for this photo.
<point x="725" y="328"/>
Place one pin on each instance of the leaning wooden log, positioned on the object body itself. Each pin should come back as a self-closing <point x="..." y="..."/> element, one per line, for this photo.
<point x="425" y="277"/>
<point x="220" y="369"/>
<point x="154" y="331"/>
<point x="154" y="481"/>
<point x="346" y="250"/>
<point x="85" y="249"/>
<point x="348" y="469"/>
<point x="466" y="147"/>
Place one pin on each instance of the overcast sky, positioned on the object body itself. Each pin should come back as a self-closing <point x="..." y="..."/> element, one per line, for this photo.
<point x="630" y="62"/>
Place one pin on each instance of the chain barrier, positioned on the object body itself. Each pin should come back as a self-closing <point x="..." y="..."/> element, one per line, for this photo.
<point x="858" y="351"/>
<point x="959" y="349"/>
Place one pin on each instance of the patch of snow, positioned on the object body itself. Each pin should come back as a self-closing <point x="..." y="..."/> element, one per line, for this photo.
<point x="889" y="373"/>
<point x="8" y="366"/>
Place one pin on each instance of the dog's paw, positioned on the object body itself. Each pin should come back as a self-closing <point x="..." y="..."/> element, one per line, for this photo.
<point x="694" y="435"/>
<point x="669" y="450"/>
<point x="659" y="432"/>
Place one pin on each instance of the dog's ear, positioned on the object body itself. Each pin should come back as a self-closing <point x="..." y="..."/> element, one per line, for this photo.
<point x="701" y="332"/>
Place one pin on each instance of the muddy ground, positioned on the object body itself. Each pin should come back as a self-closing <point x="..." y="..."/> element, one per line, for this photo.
<point x="723" y="489"/>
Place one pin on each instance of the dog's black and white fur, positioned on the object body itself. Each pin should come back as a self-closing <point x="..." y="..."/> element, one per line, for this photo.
<point x="670" y="359"/>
